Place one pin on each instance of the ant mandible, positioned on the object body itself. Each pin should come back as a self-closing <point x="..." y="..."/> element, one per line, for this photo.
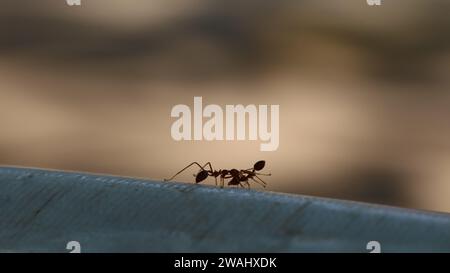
<point x="238" y="177"/>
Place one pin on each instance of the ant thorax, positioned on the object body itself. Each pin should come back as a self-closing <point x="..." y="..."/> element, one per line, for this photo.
<point x="213" y="128"/>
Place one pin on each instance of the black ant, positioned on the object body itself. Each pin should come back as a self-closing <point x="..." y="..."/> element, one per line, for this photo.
<point x="238" y="177"/>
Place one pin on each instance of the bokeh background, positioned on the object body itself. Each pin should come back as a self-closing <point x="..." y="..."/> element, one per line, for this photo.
<point x="363" y="91"/>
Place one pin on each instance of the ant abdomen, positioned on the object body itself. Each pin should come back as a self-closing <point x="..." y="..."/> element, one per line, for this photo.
<point x="259" y="165"/>
<point x="234" y="181"/>
<point x="202" y="175"/>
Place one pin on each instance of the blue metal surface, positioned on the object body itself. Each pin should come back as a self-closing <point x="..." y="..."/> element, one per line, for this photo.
<point x="42" y="210"/>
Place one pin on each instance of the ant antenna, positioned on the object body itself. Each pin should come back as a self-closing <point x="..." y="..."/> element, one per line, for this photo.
<point x="185" y="169"/>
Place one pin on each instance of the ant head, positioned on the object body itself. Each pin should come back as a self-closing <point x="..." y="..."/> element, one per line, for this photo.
<point x="234" y="172"/>
<point x="259" y="165"/>
<point x="202" y="175"/>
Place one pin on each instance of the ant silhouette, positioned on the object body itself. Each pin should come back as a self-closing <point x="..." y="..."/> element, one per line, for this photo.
<point x="238" y="177"/>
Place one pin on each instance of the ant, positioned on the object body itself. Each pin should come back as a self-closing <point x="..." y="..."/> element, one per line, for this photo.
<point x="238" y="177"/>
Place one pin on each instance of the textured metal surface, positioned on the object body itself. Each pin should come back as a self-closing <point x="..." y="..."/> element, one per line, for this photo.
<point x="42" y="210"/>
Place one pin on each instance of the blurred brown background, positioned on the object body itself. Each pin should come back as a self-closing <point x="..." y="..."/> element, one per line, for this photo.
<point x="363" y="91"/>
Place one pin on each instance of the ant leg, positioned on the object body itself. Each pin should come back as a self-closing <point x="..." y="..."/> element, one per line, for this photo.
<point x="207" y="164"/>
<point x="262" y="181"/>
<point x="262" y="184"/>
<point x="222" y="181"/>
<point x="244" y="183"/>
<point x="196" y="163"/>
<point x="265" y="174"/>
<point x="253" y="175"/>
<point x="253" y="172"/>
